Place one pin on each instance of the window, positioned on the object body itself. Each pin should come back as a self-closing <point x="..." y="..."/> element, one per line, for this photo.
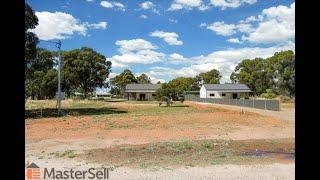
<point x="153" y="94"/>
<point x="211" y="94"/>
<point x="223" y="94"/>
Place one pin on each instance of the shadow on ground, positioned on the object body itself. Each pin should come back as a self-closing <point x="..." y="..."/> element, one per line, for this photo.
<point x="173" y="106"/>
<point x="51" y="112"/>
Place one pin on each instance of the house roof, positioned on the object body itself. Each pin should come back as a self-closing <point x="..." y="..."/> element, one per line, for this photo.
<point x="142" y="87"/>
<point x="228" y="87"/>
<point x="33" y="165"/>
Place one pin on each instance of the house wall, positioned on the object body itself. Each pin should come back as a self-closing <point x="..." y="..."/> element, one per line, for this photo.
<point x="149" y="96"/>
<point x="217" y="94"/>
<point x="203" y="92"/>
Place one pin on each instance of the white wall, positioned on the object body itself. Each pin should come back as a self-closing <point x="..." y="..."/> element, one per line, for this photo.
<point x="216" y="94"/>
<point x="203" y="92"/>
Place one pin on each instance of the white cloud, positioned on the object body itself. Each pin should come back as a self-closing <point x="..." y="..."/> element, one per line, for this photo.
<point x="90" y="0"/>
<point x="61" y="25"/>
<point x="134" y="45"/>
<point x="273" y="25"/>
<point x="142" y="16"/>
<point x="153" y="79"/>
<point x="225" y="61"/>
<point x="234" y="40"/>
<point x="221" y="28"/>
<point x="277" y="25"/>
<point x="187" y="4"/>
<point x="106" y="4"/>
<point x="117" y="5"/>
<point x="116" y="64"/>
<point x="231" y="3"/>
<point x="100" y="25"/>
<point x="136" y="51"/>
<point x="112" y="75"/>
<point x="170" y="37"/>
<point x="245" y="27"/>
<point x="146" y="5"/>
<point x="176" y="58"/>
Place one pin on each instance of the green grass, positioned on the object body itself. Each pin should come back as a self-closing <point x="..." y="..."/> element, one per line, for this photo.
<point x="185" y="153"/>
<point x="68" y="153"/>
<point x="102" y="109"/>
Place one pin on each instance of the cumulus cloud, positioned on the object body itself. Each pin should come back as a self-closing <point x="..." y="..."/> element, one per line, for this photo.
<point x="187" y="4"/>
<point x="234" y="40"/>
<point x="273" y="25"/>
<point x="224" y="4"/>
<point x="146" y="5"/>
<point x="202" y="6"/>
<point x="169" y="37"/>
<point x="224" y="61"/>
<point x="100" y="25"/>
<point x="221" y="28"/>
<point x="117" y="5"/>
<point x="136" y="51"/>
<point x="59" y="25"/>
<point x="277" y="25"/>
<point x="176" y="58"/>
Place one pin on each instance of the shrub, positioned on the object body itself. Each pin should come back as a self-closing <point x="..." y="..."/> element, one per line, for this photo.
<point x="269" y="94"/>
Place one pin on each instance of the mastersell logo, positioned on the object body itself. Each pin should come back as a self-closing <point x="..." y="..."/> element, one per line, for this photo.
<point x="34" y="172"/>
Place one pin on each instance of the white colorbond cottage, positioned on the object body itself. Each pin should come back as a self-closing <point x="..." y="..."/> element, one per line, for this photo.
<point x="228" y="91"/>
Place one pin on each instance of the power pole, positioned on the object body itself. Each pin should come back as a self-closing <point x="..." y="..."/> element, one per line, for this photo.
<point x="58" y="44"/>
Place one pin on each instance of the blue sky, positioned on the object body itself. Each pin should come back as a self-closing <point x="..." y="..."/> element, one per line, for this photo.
<point x="168" y="39"/>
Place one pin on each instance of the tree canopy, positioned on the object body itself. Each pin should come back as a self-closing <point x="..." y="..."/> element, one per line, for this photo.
<point x="210" y="77"/>
<point x="84" y="69"/>
<point x="40" y="75"/>
<point x="31" y="40"/>
<point x="120" y="81"/>
<point x="276" y="73"/>
<point x="143" y="79"/>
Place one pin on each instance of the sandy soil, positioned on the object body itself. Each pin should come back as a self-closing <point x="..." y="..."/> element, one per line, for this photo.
<point x="222" y="172"/>
<point x="48" y="135"/>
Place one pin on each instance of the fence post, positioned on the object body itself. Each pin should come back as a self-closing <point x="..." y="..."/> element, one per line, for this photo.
<point x="253" y="103"/>
<point x="265" y="104"/>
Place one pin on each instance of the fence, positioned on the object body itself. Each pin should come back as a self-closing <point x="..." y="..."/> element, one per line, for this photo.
<point x="273" y="105"/>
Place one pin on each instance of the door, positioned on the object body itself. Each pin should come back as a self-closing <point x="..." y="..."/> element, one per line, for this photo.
<point x="142" y="97"/>
<point x="234" y="96"/>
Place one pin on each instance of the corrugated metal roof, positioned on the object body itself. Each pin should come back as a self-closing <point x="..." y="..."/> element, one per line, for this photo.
<point x="227" y="87"/>
<point x="131" y="87"/>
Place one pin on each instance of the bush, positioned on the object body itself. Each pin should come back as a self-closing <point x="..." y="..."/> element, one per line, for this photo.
<point x="269" y="94"/>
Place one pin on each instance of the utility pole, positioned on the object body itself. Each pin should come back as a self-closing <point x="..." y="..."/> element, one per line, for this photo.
<point x="58" y="45"/>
